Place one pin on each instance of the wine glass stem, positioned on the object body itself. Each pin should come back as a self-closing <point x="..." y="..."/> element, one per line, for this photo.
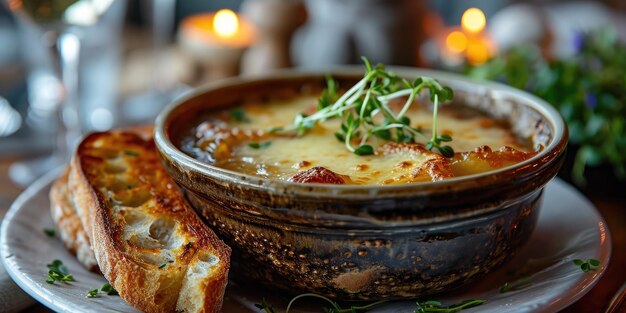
<point x="162" y="25"/>
<point x="68" y="48"/>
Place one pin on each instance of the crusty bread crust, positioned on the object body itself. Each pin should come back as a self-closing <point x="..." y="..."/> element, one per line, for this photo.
<point x="148" y="242"/>
<point x="69" y="227"/>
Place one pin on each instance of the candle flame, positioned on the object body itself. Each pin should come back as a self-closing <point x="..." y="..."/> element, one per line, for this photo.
<point x="456" y="42"/>
<point x="473" y="20"/>
<point x="225" y="23"/>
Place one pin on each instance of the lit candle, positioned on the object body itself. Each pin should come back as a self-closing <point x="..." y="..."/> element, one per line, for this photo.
<point x="479" y="46"/>
<point x="216" y="40"/>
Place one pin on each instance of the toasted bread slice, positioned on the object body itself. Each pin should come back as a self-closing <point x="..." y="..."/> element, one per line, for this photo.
<point x="149" y="244"/>
<point x="69" y="226"/>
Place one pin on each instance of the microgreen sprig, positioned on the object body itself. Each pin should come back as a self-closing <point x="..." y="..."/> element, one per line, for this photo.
<point x="265" y="307"/>
<point x="335" y="308"/>
<point x="106" y="288"/>
<point x="239" y="115"/>
<point x="432" y="306"/>
<point x="109" y="290"/>
<point x="50" y="232"/>
<point x="358" y="107"/>
<point x="259" y="145"/>
<point x="429" y="306"/>
<point x="131" y="153"/>
<point x="93" y="293"/>
<point x="518" y="284"/>
<point x="587" y="265"/>
<point x="58" y="272"/>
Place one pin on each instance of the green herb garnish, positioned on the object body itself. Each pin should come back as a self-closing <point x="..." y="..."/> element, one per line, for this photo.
<point x="365" y="113"/>
<point x="516" y="285"/>
<point x="239" y="115"/>
<point x="131" y="153"/>
<point x="275" y="129"/>
<point x="50" y="232"/>
<point x="106" y="288"/>
<point x="58" y="272"/>
<point x="329" y="95"/>
<point x="587" y="265"/>
<point x="109" y="290"/>
<point x="422" y="307"/>
<point x="93" y="293"/>
<point x="163" y="265"/>
<point x="436" y="306"/>
<point x="335" y="308"/>
<point x="364" y="150"/>
<point x="265" y="307"/>
<point x="259" y="145"/>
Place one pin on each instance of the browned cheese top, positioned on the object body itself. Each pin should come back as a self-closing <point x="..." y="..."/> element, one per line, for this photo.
<point x="247" y="146"/>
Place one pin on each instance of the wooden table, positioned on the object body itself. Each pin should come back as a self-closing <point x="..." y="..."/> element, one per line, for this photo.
<point x="613" y="208"/>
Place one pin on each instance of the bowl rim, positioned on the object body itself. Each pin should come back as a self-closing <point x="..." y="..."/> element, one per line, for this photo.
<point x="555" y="147"/>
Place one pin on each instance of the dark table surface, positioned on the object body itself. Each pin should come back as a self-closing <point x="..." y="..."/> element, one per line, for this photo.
<point x="611" y="205"/>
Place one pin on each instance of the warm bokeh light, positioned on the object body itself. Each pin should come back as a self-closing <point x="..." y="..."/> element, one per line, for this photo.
<point x="456" y="42"/>
<point x="602" y="232"/>
<point x="15" y="5"/>
<point x="473" y="20"/>
<point x="477" y="52"/>
<point x="225" y="23"/>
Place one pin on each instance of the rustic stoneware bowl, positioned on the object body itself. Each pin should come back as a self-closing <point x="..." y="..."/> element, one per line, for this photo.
<point x="367" y="242"/>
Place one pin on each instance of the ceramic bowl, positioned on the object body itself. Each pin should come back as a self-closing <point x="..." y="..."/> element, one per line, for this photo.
<point x="367" y="242"/>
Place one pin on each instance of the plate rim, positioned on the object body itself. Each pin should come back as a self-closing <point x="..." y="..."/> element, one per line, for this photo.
<point x="565" y="299"/>
<point x="21" y="280"/>
<point x="573" y="297"/>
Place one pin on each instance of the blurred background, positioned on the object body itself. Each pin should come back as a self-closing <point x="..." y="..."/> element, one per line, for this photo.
<point x="68" y="67"/>
<point x="72" y="66"/>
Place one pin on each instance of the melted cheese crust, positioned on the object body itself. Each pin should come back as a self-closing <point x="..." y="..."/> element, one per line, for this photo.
<point x="287" y="155"/>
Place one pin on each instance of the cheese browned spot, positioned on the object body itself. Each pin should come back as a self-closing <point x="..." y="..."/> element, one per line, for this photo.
<point x="319" y="175"/>
<point x="419" y="164"/>
<point x="484" y="159"/>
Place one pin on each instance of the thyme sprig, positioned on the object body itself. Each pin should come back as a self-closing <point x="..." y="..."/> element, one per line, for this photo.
<point x="93" y="293"/>
<point x="265" y="307"/>
<point x="50" y="232"/>
<point x="259" y="145"/>
<point x="422" y="307"/>
<point x="370" y="97"/>
<point x="516" y="285"/>
<point x="335" y="308"/>
<point x="58" y="272"/>
<point x="109" y="290"/>
<point x="432" y="306"/>
<point x="106" y="288"/>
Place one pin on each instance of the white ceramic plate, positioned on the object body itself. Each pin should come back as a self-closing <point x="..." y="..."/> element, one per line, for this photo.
<point x="569" y="227"/>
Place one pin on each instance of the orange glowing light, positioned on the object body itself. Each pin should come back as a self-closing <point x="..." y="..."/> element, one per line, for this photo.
<point x="477" y="52"/>
<point x="456" y="42"/>
<point x="473" y="20"/>
<point x="602" y="232"/>
<point x="225" y="23"/>
<point x="15" y="5"/>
